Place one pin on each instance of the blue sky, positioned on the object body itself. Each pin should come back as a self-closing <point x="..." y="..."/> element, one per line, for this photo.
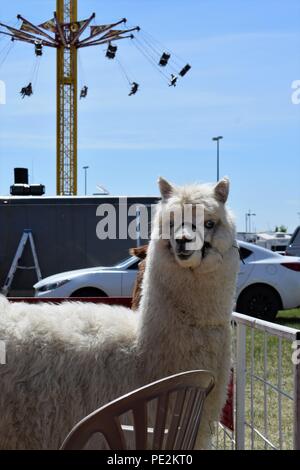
<point x="244" y="56"/>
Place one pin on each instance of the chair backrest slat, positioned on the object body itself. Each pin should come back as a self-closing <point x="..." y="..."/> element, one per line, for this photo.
<point x="197" y="419"/>
<point x="190" y="399"/>
<point x="161" y="416"/>
<point x="114" y="434"/>
<point x="193" y="425"/>
<point x="140" y="425"/>
<point x="176" y="418"/>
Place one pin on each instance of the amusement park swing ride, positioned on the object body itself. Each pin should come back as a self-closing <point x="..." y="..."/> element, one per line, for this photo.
<point x="65" y="33"/>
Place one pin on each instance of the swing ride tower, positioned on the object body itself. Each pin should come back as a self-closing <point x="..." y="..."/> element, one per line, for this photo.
<point x="64" y="32"/>
<point x="66" y="83"/>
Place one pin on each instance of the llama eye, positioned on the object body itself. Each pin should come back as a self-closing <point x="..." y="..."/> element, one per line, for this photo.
<point x="209" y="224"/>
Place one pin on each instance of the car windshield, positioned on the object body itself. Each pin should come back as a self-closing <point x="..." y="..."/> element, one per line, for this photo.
<point x="124" y="262"/>
<point x="295" y="234"/>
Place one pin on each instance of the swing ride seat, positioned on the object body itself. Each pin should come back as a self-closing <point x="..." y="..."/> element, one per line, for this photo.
<point x="134" y="88"/>
<point x="173" y="80"/>
<point x="111" y="51"/>
<point x="26" y="90"/>
<point x="184" y="70"/>
<point x="84" y="92"/>
<point x="110" y="55"/>
<point x="38" y="49"/>
<point x="163" y="61"/>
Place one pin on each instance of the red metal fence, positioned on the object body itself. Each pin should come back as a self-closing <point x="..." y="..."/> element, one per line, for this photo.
<point x="126" y="301"/>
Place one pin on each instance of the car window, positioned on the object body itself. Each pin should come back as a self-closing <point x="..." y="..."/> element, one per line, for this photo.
<point x="294" y="236"/>
<point x="123" y="262"/>
<point x="245" y="253"/>
<point x="134" y="265"/>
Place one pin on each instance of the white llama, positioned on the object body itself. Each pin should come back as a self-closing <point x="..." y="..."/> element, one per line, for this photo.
<point x="64" y="361"/>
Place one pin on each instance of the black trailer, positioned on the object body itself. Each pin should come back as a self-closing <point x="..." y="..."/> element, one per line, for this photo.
<point x="64" y="231"/>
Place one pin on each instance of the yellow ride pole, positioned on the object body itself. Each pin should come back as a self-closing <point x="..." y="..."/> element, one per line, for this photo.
<point x="66" y="157"/>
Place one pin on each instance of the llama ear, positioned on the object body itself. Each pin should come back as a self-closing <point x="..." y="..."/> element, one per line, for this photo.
<point x="139" y="251"/>
<point x="166" y="189"/>
<point x="221" y="190"/>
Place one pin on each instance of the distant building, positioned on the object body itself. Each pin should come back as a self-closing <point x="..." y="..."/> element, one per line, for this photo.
<point x="247" y="237"/>
<point x="275" y="241"/>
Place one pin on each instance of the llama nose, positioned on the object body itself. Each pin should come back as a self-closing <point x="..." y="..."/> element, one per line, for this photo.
<point x="181" y="242"/>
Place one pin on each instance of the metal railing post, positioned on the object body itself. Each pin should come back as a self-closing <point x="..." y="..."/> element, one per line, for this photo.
<point x="297" y="400"/>
<point x="240" y="386"/>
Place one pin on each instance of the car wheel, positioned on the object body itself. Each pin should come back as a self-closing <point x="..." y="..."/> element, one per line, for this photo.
<point x="259" y="301"/>
<point x="88" y="292"/>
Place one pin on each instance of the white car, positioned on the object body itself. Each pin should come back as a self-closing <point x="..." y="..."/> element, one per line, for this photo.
<point x="267" y="282"/>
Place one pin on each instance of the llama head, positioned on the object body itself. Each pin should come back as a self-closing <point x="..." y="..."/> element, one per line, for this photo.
<point x="193" y="223"/>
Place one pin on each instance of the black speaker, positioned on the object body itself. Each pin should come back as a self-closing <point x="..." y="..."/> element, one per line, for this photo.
<point x="20" y="190"/>
<point x="21" y="175"/>
<point x="37" y="189"/>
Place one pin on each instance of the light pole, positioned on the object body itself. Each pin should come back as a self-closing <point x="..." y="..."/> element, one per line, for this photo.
<point x="217" y="139"/>
<point x="85" y="168"/>
<point x="248" y="217"/>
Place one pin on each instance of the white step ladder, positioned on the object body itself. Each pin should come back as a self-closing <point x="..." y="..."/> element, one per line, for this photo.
<point x="27" y="235"/>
